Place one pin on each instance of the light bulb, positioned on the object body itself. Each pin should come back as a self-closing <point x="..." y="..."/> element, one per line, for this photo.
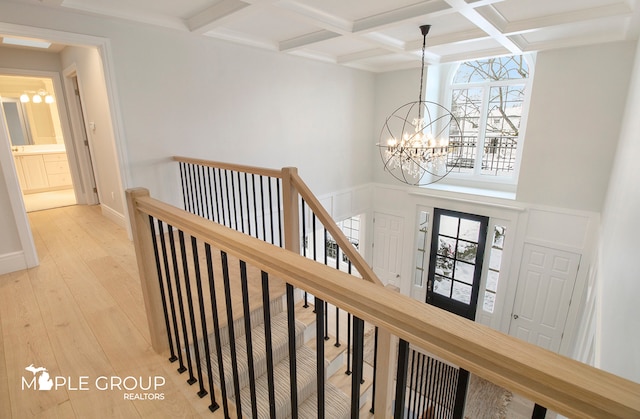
<point x="37" y="98"/>
<point x="24" y="98"/>
<point x="48" y="99"/>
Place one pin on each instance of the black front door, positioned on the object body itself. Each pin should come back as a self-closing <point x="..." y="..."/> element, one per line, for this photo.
<point x="455" y="267"/>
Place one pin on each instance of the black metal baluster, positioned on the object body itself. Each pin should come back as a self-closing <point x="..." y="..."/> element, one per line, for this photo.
<point x="246" y="193"/>
<point x="222" y="200"/>
<point x="205" y="334"/>
<point x="264" y="218"/>
<point x="192" y="318"/>
<point x="183" y="322"/>
<point x="461" y="393"/>
<point x="172" y="305"/>
<point x="248" y="340"/>
<point x="255" y="205"/>
<point x="240" y="210"/>
<point x="203" y="323"/>
<point x="440" y="396"/>
<point x="432" y="382"/>
<point x="215" y="202"/>
<point x="194" y="193"/>
<point x="375" y="367"/>
<point x="216" y="333"/>
<point x="315" y="255"/>
<point x="320" y="305"/>
<point x="420" y="392"/>
<point x="401" y="378"/>
<point x="232" y="333"/>
<point x="161" y="284"/>
<point x="337" y="344"/>
<point x="182" y="182"/>
<point x="266" y="308"/>
<point x="203" y="206"/>
<point x="207" y="188"/>
<point x="291" y="331"/>
<point x="356" y="377"/>
<point x="279" y="197"/>
<point x="304" y="245"/>
<point x="203" y="192"/>
<point x="229" y="210"/>
<point x="234" y="201"/>
<point x="271" y="211"/>
<point x="411" y="407"/>
<point x="349" y="351"/>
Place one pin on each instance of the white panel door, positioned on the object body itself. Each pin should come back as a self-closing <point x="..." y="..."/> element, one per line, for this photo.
<point x="387" y="247"/>
<point x="545" y="286"/>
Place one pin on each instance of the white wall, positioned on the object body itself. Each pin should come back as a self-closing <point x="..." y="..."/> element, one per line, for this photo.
<point x="577" y="102"/>
<point x="11" y="247"/>
<point x="183" y="94"/>
<point x="619" y="274"/>
<point x="95" y="105"/>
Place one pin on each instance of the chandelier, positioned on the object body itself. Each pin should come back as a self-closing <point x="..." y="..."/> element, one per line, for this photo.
<point x="414" y="142"/>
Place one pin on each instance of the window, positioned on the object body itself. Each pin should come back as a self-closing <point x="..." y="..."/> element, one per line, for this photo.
<point x="493" y="273"/>
<point x="421" y="241"/>
<point x="488" y="97"/>
<point x="351" y="229"/>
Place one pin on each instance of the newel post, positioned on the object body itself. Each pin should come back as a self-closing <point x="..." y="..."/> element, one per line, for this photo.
<point x="386" y="359"/>
<point x="290" y="211"/>
<point x="143" y="243"/>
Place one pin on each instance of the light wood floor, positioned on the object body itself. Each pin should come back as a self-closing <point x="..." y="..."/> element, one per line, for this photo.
<point x="80" y="313"/>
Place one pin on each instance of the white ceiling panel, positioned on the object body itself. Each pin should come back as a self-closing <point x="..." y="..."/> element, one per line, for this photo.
<point x="528" y="9"/>
<point x="384" y="35"/>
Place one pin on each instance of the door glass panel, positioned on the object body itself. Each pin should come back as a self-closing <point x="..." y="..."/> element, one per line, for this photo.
<point x="446" y="246"/>
<point x="492" y="280"/>
<point x="449" y="225"/>
<point x="469" y="230"/>
<point x="467" y="251"/>
<point x="444" y="266"/>
<point x="442" y="286"/>
<point x="461" y="292"/>
<point x="464" y="272"/>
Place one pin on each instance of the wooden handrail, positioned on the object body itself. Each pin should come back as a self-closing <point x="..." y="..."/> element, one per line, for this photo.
<point x="290" y="176"/>
<point x="327" y="221"/>
<point x="230" y="166"/>
<point x="554" y="381"/>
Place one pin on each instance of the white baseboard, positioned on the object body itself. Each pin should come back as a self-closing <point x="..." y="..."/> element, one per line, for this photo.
<point x="11" y="262"/>
<point x="113" y="215"/>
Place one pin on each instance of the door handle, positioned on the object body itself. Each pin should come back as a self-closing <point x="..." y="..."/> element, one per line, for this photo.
<point x="515" y="317"/>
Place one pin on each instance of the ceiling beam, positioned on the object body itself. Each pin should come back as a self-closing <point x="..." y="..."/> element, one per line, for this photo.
<point x="308" y="39"/>
<point x="211" y="17"/>
<point x="525" y="25"/>
<point x="398" y="15"/>
<point x="469" y="11"/>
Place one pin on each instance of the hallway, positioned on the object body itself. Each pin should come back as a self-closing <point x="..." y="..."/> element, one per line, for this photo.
<point x="81" y="313"/>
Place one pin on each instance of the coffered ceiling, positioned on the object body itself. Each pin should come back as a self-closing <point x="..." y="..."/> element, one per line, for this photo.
<point x="384" y="35"/>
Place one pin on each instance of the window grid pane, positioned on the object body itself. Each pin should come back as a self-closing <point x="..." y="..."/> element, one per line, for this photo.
<point x="493" y="275"/>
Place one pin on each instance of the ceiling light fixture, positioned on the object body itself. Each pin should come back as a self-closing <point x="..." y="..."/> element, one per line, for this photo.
<point x="26" y="42"/>
<point x="37" y="97"/>
<point x="414" y="142"/>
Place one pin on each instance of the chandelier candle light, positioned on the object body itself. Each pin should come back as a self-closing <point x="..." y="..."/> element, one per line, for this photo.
<point x="417" y="150"/>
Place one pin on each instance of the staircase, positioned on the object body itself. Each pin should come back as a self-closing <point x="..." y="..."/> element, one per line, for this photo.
<point x="337" y="403"/>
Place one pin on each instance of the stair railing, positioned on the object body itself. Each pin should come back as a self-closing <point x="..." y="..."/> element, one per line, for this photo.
<point x="554" y="381"/>
<point x="278" y="207"/>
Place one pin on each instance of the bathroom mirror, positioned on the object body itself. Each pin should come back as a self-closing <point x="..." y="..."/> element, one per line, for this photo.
<point x="29" y="107"/>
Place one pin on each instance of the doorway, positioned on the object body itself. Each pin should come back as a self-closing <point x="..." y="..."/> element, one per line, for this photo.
<point x="37" y="142"/>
